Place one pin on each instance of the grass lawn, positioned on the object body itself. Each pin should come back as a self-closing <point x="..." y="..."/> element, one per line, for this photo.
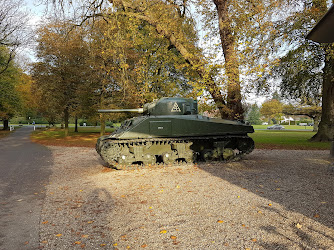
<point x="287" y="127"/>
<point x="286" y="139"/>
<point x="264" y="139"/>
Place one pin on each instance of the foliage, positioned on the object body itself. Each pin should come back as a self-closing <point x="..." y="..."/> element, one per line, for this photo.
<point x="243" y="27"/>
<point x="272" y="109"/>
<point x="13" y="23"/>
<point x="170" y="21"/>
<point x="254" y="115"/>
<point x="306" y="71"/>
<point x="10" y="101"/>
<point x="134" y="64"/>
<point x="61" y="74"/>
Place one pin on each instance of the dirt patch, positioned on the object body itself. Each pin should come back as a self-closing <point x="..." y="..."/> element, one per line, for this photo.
<point x="273" y="199"/>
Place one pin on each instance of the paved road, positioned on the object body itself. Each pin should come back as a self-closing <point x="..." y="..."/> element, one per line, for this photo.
<point x="24" y="171"/>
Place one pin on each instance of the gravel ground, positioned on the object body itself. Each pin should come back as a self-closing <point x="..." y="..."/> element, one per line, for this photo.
<point x="272" y="199"/>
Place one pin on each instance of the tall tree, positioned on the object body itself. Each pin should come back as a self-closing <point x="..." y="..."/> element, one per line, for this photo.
<point x="242" y="25"/>
<point x="10" y="101"/>
<point x="62" y="68"/>
<point x="254" y="115"/>
<point x="13" y="23"/>
<point x="307" y="70"/>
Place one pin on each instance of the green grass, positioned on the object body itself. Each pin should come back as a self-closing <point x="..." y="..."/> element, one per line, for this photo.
<point x="286" y="139"/>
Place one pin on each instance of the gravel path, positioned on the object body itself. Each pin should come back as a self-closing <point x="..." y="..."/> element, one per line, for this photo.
<point x="273" y="199"/>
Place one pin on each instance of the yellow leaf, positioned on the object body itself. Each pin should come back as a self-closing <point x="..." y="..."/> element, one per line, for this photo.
<point x="102" y="245"/>
<point x="58" y="235"/>
<point x="270" y="204"/>
<point x="115" y="245"/>
<point x="220" y="221"/>
<point x="173" y="237"/>
<point x="45" y="222"/>
<point x="163" y="231"/>
<point x="90" y="222"/>
<point x="254" y="240"/>
<point x="299" y="226"/>
<point x="77" y="242"/>
<point x="44" y="241"/>
<point x="144" y="245"/>
<point x="84" y="236"/>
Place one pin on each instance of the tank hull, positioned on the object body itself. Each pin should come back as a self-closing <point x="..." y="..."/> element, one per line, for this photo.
<point x="166" y="139"/>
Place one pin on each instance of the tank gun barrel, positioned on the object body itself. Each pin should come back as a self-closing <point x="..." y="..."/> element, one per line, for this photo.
<point x="140" y="110"/>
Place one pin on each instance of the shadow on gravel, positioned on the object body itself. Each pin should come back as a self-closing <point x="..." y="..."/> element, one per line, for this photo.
<point x="297" y="180"/>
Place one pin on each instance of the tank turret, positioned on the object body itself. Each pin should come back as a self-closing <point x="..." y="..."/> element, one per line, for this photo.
<point x="170" y="129"/>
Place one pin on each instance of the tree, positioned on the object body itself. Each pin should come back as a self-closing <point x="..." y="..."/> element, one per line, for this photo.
<point x="62" y="69"/>
<point x="13" y="23"/>
<point x="169" y="20"/>
<point x="272" y="109"/>
<point x="242" y="26"/>
<point x="307" y="70"/>
<point x="10" y="101"/>
<point x="254" y="115"/>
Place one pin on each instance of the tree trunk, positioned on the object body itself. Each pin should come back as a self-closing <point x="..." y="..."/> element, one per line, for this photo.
<point x="103" y="125"/>
<point x="76" y="125"/>
<point x="5" y="124"/>
<point x="233" y="102"/>
<point x="66" y="118"/>
<point x="316" y="121"/>
<point x="326" y="125"/>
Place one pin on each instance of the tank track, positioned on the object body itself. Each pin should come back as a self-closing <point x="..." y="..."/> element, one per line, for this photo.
<point x="123" y="154"/>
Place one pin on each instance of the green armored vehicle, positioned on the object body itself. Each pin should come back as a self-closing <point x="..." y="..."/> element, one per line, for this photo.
<point x="170" y="130"/>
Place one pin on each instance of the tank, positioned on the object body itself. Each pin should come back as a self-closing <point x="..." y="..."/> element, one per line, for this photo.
<point x="171" y="130"/>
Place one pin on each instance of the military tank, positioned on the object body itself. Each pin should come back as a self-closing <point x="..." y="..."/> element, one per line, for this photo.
<point x="169" y="130"/>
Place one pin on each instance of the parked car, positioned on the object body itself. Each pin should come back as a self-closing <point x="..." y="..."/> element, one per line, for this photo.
<point x="276" y="126"/>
